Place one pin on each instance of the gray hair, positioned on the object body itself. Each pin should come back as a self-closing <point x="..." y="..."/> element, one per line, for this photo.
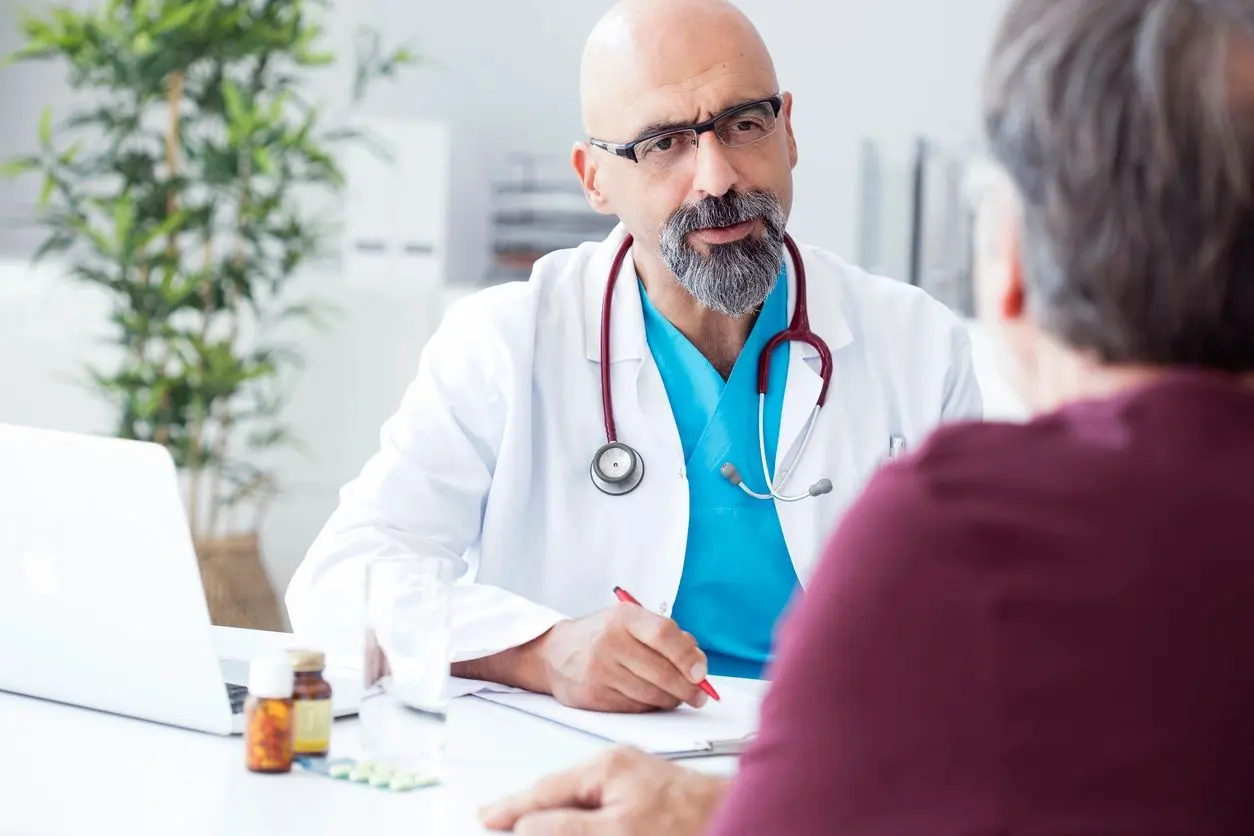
<point x="1127" y="127"/>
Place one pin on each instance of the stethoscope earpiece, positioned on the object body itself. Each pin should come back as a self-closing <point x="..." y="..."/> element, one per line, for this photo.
<point x="617" y="469"/>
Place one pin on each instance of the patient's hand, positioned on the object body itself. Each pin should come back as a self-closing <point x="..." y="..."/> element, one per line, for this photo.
<point x="625" y="792"/>
<point x="624" y="659"/>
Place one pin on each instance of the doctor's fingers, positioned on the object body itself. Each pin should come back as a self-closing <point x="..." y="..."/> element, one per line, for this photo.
<point x="664" y="636"/>
<point x="637" y="686"/>
<point x="656" y="681"/>
<point x="612" y="698"/>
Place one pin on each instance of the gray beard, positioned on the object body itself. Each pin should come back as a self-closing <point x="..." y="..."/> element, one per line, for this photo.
<point x="733" y="279"/>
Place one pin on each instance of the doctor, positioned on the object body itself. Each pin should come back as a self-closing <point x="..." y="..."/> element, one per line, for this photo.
<point x="600" y="425"/>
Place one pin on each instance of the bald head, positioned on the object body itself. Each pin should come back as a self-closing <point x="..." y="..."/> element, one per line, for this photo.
<point x="706" y="209"/>
<point x="645" y="48"/>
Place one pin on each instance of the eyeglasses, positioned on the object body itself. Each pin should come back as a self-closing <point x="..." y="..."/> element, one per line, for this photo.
<point x="736" y="127"/>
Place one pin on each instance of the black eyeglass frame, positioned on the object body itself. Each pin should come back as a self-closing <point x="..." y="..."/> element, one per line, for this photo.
<point x="627" y="150"/>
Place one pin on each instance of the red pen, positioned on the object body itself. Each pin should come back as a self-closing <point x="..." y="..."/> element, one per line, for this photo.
<point x="625" y="596"/>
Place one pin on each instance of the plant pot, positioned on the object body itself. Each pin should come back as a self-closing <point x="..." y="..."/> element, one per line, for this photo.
<point x="237" y="589"/>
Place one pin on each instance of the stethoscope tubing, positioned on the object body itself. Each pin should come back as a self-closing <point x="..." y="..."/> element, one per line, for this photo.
<point x="798" y="330"/>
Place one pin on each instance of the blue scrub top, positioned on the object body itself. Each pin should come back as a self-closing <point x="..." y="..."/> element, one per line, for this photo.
<point x="738" y="576"/>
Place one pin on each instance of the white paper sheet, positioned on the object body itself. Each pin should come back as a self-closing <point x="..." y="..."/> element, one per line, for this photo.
<point x="726" y="724"/>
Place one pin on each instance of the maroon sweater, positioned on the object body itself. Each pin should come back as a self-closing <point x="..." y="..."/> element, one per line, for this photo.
<point x="1029" y="630"/>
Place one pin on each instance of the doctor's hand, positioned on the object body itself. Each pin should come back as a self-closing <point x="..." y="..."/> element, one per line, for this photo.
<point x="624" y="659"/>
<point x="622" y="793"/>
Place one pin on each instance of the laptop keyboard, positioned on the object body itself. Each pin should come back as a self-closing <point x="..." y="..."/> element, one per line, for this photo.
<point x="237" y="693"/>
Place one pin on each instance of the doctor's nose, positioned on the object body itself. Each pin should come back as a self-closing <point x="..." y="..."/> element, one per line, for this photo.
<point x="715" y="175"/>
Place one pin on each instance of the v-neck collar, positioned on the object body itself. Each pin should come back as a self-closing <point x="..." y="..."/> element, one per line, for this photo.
<point x="705" y="389"/>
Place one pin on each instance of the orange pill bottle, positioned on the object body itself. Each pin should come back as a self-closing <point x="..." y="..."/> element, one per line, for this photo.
<point x="269" y="716"/>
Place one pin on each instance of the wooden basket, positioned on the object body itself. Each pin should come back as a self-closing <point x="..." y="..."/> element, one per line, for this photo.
<point x="238" y="591"/>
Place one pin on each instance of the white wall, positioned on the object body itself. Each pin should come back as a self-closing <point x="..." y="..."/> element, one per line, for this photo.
<point x="504" y="78"/>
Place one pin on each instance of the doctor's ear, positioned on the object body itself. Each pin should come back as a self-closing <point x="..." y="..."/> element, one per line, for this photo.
<point x="785" y="113"/>
<point x="584" y="163"/>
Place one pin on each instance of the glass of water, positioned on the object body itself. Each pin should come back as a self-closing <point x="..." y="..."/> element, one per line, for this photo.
<point x="407" y="663"/>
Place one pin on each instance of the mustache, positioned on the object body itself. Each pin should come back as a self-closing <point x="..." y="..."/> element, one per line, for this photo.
<point x="727" y="210"/>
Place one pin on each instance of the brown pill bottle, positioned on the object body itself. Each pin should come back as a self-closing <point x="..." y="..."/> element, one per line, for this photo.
<point x="311" y="729"/>
<point x="268" y="716"/>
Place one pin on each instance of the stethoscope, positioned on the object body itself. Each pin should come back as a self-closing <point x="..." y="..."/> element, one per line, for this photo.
<point x="617" y="468"/>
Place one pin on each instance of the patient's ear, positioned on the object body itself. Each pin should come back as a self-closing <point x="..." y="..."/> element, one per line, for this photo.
<point x="586" y="169"/>
<point x="997" y="255"/>
<point x="1012" y="304"/>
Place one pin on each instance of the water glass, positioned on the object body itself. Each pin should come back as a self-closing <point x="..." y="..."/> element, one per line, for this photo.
<point x="407" y="663"/>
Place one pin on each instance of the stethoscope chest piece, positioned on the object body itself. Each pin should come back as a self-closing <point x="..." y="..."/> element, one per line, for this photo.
<point x="617" y="469"/>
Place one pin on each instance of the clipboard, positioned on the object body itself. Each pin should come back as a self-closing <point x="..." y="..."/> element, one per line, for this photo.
<point x="731" y="747"/>
<point x="718" y="729"/>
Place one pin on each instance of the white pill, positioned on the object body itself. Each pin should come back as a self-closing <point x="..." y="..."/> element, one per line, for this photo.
<point x="402" y="781"/>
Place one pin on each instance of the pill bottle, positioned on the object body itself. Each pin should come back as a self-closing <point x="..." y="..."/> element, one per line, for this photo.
<point x="312" y="695"/>
<point x="268" y="715"/>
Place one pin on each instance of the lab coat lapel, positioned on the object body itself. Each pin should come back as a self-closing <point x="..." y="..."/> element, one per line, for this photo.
<point x="627" y="338"/>
<point x="806" y="523"/>
<point x="637" y="384"/>
<point x="801" y="393"/>
<point x="804" y="381"/>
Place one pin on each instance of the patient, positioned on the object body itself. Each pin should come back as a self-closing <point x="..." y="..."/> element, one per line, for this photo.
<point x="1043" y="628"/>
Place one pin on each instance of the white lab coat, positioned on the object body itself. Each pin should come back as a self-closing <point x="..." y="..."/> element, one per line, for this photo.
<point x="486" y="462"/>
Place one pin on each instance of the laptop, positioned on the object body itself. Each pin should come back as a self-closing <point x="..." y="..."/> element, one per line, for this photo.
<point x="101" y="601"/>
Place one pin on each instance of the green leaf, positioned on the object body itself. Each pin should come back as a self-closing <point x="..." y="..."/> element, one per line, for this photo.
<point x="123" y="218"/>
<point x="166" y="228"/>
<point x="29" y="52"/>
<point x="262" y="160"/>
<point x="45" y="193"/>
<point x="98" y="241"/>
<point x="272" y="437"/>
<point x="38" y="31"/>
<point x="58" y="243"/>
<point x="315" y="59"/>
<point x="317" y="313"/>
<point x="233" y="99"/>
<point x="19" y="166"/>
<point x="45" y="127"/>
<point x="178" y="18"/>
<point x="72" y="153"/>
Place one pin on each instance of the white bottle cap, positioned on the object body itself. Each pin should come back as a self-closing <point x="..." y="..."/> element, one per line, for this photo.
<point x="270" y="678"/>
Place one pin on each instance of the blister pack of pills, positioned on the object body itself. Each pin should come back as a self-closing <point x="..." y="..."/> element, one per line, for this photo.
<point x="366" y="772"/>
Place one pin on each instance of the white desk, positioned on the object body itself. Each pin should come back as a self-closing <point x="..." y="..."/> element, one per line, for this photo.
<point x="70" y="770"/>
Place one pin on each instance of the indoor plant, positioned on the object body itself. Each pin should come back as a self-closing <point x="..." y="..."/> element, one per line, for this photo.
<point x="181" y="190"/>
